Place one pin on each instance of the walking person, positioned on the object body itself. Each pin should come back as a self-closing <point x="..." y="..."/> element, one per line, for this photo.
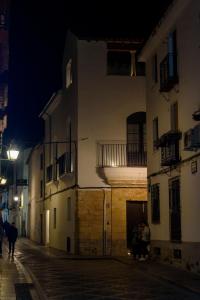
<point x="12" y="237"/>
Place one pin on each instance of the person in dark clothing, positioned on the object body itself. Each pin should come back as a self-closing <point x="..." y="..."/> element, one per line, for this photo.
<point x="6" y="226"/>
<point x="12" y="237"/>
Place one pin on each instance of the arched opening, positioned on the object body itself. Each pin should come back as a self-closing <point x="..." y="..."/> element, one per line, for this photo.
<point x="136" y="139"/>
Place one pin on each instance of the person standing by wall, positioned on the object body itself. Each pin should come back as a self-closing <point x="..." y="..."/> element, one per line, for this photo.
<point x="145" y="241"/>
<point x="12" y="237"/>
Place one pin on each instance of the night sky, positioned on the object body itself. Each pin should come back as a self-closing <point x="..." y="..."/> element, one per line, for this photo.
<point x="37" y="36"/>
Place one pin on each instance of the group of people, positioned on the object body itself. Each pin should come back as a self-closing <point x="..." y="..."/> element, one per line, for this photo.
<point x="11" y="232"/>
<point x="141" y="241"/>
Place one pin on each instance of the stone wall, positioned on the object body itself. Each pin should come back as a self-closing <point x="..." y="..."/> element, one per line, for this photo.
<point x="101" y="217"/>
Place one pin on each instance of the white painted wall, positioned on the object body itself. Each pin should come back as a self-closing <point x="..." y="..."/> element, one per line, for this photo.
<point x="187" y="93"/>
<point x="104" y="103"/>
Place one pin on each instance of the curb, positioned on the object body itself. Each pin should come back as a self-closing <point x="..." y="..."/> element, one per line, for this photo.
<point x="34" y="289"/>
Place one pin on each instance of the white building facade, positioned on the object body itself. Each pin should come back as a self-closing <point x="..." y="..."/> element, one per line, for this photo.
<point x="173" y="107"/>
<point x="95" y="149"/>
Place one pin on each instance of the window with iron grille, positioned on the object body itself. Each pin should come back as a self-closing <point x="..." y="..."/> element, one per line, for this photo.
<point x="49" y="173"/>
<point x="155" y="203"/>
<point x="175" y="209"/>
<point x="155" y="133"/>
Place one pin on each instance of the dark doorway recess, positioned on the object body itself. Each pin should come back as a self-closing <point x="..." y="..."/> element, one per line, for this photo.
<point x="136" y="212"/>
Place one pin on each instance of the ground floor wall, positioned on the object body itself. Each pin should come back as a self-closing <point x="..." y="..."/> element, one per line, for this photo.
<point x="90" y="221"/>
<point x="179" y="207"/>
<point x="102" y="219"/>
<point x="185" y="254"/>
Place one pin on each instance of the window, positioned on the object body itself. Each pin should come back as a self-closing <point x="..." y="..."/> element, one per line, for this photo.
<point x="119" y="63"/>
<point x="41" y="188"/>
<point x="155" y="203"/>
<point x="136" y="139"/>
<point x="175" y="209"/>
<point x="41" y="161"/>
<point x="61" y="164"/>
<point x="155" y="68"/>
<point x="69" y="207"/>
<point x="174" y="116"/>
<point x="54" y="218"/>
<point x="49" y="173"/>
<point x="69" y="73"/>
<point x="155" y="133"/>
<point x="168" y="66"/>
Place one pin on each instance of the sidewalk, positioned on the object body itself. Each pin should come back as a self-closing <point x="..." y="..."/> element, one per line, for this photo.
<point x="15" y="283"/>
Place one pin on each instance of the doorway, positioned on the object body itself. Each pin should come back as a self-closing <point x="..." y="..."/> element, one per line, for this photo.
<point x="136" y="212"/>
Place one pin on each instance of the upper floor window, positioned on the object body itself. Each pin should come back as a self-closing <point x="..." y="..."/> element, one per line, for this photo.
<point x="69" y="73"/>
<point x="155" y="68"/>
<point x="136" y="139"/>
<point x="124" y="63"/>
<point x="168" y="66"/>
<point x="155" y="133"/>
<point x="174" y="116"/>
<point x="119" y="63"/>
<point x="41" y="161"/>
<point x="62" y="164"/>
<point x="41" y="188"/>
<point x="49" y="173"/>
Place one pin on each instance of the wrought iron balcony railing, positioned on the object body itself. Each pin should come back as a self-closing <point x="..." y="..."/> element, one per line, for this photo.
<point x="121" y="155"/>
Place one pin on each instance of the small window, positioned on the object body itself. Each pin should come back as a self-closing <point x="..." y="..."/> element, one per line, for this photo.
<point x="155" y="203"/>
<point x="49" y="173"/>
<point x="119" y="63"/>
<point x="41" y="161"/>
<point x="155" y="133"/>
<point x="155" y="68"/>
<point x="69" y="208"/>
<point x="54" y="218"/>
<point x="174" y="116"/>
<point x="61" y="164"/>
<point x="41" y="188"/>
<point x="69" y="73"/>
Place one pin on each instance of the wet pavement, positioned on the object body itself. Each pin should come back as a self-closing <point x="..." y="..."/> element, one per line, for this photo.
<point x="57" y="276"/>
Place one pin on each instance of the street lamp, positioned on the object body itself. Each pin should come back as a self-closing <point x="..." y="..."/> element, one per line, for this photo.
<point x="3" y="180"/>
<point x="12" y="153"/>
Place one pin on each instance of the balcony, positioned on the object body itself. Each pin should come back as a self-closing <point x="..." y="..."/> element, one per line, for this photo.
<point x="169" y="143"/>
<point x="168" y="72"/>
<point x="122" y="163"/>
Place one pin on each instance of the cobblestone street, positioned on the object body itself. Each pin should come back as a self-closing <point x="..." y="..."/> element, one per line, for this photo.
<point x="59" y="277"/>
